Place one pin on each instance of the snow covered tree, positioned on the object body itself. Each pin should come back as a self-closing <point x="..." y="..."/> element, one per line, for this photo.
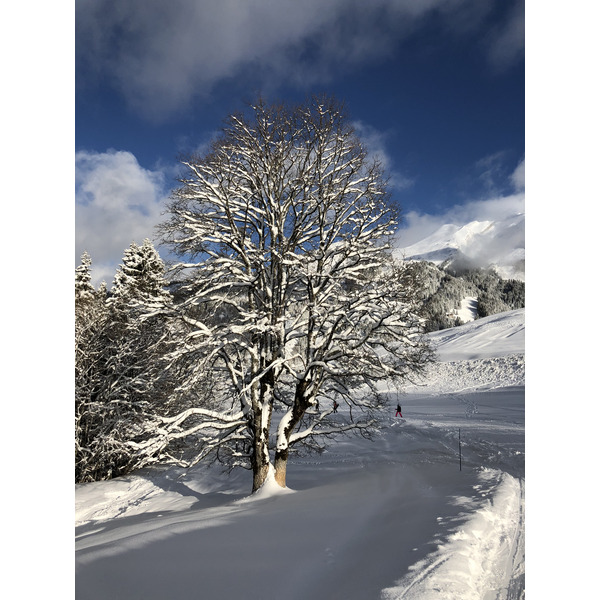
<point x="89" y="318"/>
<point x="124" y="384"/>
<point x="140" y="280"/>
<point x="84" y="290"/>
<point x="289" y="298"/>
<point x="138" y="332"/>
<point x="90" y="322"/>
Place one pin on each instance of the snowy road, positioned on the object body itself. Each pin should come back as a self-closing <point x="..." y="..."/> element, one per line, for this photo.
<point x="395" y="518"/>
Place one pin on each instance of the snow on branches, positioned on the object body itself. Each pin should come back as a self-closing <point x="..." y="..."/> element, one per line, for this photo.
<point x="287" y="293"/>
<point x="121" y="386"/>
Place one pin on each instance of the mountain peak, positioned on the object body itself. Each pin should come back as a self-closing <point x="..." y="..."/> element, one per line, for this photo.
<point x="499" y="244"/>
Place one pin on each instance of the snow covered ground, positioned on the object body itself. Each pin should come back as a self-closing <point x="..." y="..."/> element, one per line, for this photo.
<point x="432" y="508"/>
<point x="468" y="309"/>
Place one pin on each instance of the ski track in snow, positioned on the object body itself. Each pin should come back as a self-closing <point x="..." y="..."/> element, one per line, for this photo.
<point x="475" y="549"/>
<point x="482" y="559"/>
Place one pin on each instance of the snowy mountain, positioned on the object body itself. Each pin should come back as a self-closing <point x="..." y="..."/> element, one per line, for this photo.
<point x="433" y="507"/>
<point x="498" y="244"/>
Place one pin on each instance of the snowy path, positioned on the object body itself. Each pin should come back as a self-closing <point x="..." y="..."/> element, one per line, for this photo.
<point x="483" y="559"/>
<point x="393" y="519"/>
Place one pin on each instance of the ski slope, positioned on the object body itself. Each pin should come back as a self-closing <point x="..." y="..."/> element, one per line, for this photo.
<point x="413" y="514"/>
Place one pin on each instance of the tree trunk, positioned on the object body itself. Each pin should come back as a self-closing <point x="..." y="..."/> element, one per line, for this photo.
<point x="260" y="457"/>
<point x="281" y="457"/>
<point x="301" y="403"/>
<point x="260" y="473"/>
<point x="262" y="424"/>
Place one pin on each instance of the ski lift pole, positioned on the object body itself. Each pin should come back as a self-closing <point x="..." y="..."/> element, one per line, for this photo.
<point x="459" y="451"/>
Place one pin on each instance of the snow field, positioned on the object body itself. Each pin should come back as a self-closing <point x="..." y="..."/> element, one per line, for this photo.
<point x="389" y="518"/>
<point x="491" y="337"/>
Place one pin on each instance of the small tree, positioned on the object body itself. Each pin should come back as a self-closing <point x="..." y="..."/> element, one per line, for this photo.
<point x="140" y="282"/>
<point x="84" y="290"/>
<point x="285" y="226"/>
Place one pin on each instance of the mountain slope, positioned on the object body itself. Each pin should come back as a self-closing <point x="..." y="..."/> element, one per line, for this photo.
<point x="498" y="244"/>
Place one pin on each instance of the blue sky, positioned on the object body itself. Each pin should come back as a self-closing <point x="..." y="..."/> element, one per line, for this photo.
<point x="436" y="88"/>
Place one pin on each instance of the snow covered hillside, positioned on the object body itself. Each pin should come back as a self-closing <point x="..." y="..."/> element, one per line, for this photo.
<point x="498" y="244"/>
<point x="481" y="354"/>
<point x="433" y="507"/>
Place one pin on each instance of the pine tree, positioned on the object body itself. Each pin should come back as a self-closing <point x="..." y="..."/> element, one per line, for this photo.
<point x="84" y="289"/>
<point x="124" y="383"/>
<point x="140" y="280"/>
<point x="90" y="324"/>
<point x="137" y="306"/>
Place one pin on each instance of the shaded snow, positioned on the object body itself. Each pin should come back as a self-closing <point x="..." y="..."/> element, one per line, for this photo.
<point x="390" y="518"/>
<point x="476" y="560"/>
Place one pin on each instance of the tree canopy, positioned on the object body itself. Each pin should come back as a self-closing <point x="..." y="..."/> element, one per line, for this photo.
<point x="289" y="296"/>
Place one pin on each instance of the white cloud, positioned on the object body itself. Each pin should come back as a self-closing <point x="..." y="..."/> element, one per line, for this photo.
<point x="117" y="202"/>
<point x="506" y="43"/>
<point x="493" y="207"/>
<point x="518" y="177"/>
<point x="163" y="56"/>
<point x="504" y="248"/>
<point x="375" y="143"/>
